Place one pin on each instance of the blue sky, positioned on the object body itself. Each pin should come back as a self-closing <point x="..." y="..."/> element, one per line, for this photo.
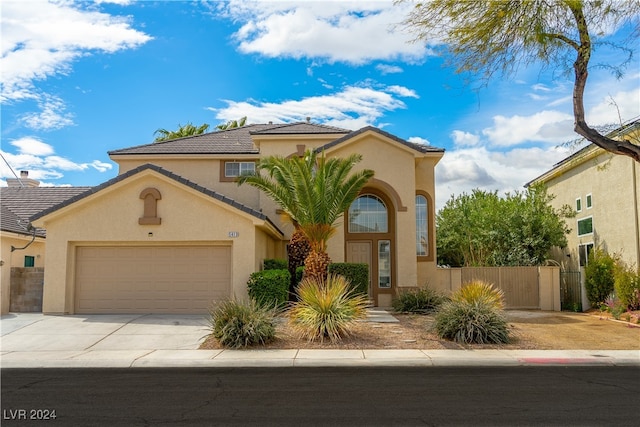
<point x="82" y="78"/>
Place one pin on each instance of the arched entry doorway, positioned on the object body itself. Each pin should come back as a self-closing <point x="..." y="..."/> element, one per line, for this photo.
<point x="370" y="239"/>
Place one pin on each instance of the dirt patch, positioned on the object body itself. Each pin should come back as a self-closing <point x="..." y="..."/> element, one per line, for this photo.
<point x="528" y="330"/>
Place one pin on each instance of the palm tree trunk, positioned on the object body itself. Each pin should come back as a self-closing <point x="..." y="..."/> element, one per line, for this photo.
<point x="316" y="265"/>
<point x="297" y="251"/>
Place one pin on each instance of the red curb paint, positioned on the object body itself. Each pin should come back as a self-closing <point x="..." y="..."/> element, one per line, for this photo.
<point x="560" y="360"/>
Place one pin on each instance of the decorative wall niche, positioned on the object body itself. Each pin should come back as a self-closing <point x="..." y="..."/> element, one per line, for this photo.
<point x="150" y="196"/>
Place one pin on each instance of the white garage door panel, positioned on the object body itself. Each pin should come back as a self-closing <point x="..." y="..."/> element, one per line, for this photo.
<point x="151" y="279"/>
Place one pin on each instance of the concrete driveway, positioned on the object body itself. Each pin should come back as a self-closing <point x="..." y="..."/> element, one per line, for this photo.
<point x="29" y="332"/>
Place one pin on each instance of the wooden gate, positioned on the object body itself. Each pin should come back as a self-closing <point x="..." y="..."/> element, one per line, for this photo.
<point x="519" y="284"/>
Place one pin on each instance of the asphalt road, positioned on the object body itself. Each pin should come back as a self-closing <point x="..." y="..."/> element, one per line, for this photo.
<point x="487" y="396"/>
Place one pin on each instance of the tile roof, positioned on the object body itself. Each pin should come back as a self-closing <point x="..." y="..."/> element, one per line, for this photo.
<point x="231" y="141"/>
<point x="305" y="128"/>
<point x="168" y="174"/>
<point x="20" y="203"/>
<point x="422" y="148"/>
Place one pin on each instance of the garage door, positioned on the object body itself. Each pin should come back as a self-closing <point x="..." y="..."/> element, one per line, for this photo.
<point x="176" y="279"/>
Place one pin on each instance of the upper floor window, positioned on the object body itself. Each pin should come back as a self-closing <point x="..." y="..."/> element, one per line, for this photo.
<point x="585" y="226"/>
<point x="422" y="226"/>
<point x="589" y="201"/>
<point x="368" y="214"/>
<point x="29" y="261"/>
<point x="236" y="169"/>
<point x="578" y="204"/>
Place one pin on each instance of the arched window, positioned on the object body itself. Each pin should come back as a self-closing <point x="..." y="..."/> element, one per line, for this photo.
<point x="368" y="214"/>
<point x="422" y="226"/>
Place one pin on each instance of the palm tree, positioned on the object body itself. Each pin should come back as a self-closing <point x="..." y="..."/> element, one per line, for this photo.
<point x="314" y="192"/>
<point x="232" y="124"/>
<point x="186" y="130"/>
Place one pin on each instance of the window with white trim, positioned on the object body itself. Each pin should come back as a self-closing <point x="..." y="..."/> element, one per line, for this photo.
<point x="589" y="201"/>
<point x="578" y="204"/>
<point x="584" y="251"/>
<point x="235" y="169"/>
<point x="585" y="226"/>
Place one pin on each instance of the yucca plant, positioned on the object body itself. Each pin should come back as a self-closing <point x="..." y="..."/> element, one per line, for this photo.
<point x="479" y="291"/>
<point x="473" y="315"/>
<point x="239" y="324"/>
<point x="326" y="308"/>
<point x="468" y="322"/>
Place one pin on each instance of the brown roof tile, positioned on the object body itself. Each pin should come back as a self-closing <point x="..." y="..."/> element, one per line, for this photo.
<point x="418" y="147"/>
<point x="20" y="203"/>
<point x="232" y="141"/>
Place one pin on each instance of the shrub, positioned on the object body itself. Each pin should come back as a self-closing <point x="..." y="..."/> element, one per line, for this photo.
<point x="479" y="291"/>
<point x="599" y="276"/>
<point x="356" y="274"/>
<point x="420" y="300"/>
<point x="275" y="264"/>
<point x="471" y="322"/>
<point x="627" y="287"/>
<point x="326" y="309"/>
<point x="269" y="287"/>
<point x="473" y="315"/>
<point x="241" y="324"/>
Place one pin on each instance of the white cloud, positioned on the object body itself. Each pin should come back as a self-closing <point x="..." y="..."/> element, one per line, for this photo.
<point x="623" y="105"/>
<point x="40" y="160"/>
<point x="388" y="69"/>
<point x="350" y="32"/>
<point x="403" y="91"/>
<point x="464" y="139"/>
<point x="51" y="115"/>
<point x="478" y="167"/>
<point x="42" y="39"/>
<point x="545" y="126"/>
<point x="351" y="108"/>
<point x="419" y="140"/>
<point x="32" y="146"/>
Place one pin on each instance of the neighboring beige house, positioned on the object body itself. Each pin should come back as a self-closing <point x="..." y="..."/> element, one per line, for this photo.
<point x="22" y="247"/>
<point x="173" y="231"/>
<point x="604" y="190"/>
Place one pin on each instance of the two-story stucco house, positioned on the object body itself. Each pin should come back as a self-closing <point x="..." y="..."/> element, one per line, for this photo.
<point x="173" y="231"/>
<point x="604" y="190"/>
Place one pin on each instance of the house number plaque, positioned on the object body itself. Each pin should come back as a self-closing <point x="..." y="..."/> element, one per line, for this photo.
<point x="234" y="234"/>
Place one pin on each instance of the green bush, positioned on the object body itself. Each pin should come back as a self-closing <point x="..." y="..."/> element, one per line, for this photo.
<point x="420" y="300"/>
<point x="269" y="287"/>
<point x="599" y="276"/>
<point x="479" y="291"/>
<point x="357" y="274"/>
<point x="627" y="286"/>
<point x="275" y="264"/>
<point x="471" y="322"/>
<point x="241" y="324"/>
<point x="326" y="309"/>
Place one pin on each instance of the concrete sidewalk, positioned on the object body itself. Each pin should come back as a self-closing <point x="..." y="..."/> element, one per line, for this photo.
<point x="139" y="341"/>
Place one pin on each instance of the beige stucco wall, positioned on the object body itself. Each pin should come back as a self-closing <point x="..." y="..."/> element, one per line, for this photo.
<point x="16" y="259"/>
<point x="204" y="171"/>
<point x="111" y="218"/>
<point x="614" y="183"/>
